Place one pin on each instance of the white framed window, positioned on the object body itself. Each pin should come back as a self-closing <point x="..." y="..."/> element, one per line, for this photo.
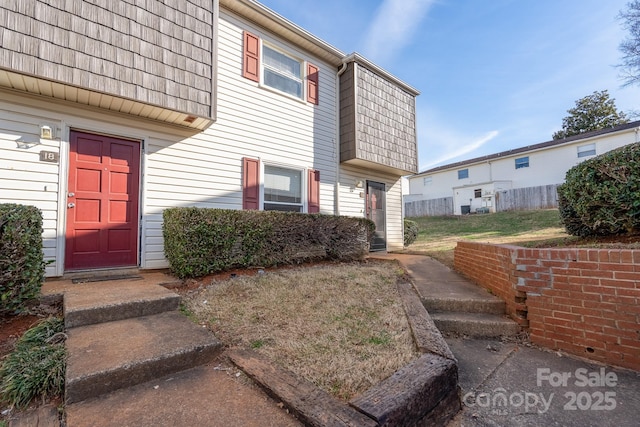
<point x="463" y="173"/>
<point x="522" y="162"/>
<point x="586" y="150"/>
<point x="275" y="68"/>
<point x="281" y="71"/>
<point x="427" y="180"/>
<point x="282" y="189"/>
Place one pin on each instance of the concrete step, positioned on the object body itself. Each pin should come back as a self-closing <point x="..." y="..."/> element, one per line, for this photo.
<point x="442" y="289"/>
<point x="109" y="356"/>
<point x="475" y="324"/>
<point x="462" y="303"/>
<point x="201" y="396"/>
<point x="91" y="303"/>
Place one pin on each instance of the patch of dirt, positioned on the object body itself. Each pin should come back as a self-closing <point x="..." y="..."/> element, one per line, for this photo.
<point x="13" y="326"/>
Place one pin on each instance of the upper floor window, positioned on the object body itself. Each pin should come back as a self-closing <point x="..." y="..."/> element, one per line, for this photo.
<point x="427" y="180"/>
<point x="522" y="162"/>
<point x="272" y="67"/>
<point x="586" y="150"/>
<point x="463" y="173"/>
<point x="281" y="71"/>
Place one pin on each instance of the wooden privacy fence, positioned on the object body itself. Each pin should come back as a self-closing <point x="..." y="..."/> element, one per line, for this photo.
<point x="517" y="199"/>
<point x="530" y="198"/>
<point x="432" y="207"/>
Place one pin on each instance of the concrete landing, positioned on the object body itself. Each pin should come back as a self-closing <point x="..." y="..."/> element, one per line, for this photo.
<point x="112" y="355"/>
<point x="442" y="289"/>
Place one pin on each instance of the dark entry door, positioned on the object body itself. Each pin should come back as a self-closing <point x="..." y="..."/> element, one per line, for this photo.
<point x="376" y="213"/>
<point x="102" y="202"/>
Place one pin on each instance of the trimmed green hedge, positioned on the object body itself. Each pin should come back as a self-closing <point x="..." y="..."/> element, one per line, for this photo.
<point x="200" y="241"/>
<point x="410" y="231"/>
<point x="21" y="258"/>
<point x="601" y="196"/>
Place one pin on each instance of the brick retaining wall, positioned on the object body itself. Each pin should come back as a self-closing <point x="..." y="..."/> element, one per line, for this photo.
<point x="583" y="301"/>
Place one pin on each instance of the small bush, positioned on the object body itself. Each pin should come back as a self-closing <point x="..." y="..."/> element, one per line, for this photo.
<point x="199" y="241"/>
<point x="21" y="258"/>
<point x="601" y="196"/>
<point x="37" y="366"/>
<point x="410" y="231"/>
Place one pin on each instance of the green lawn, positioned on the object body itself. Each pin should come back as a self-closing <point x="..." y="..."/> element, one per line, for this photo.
<point x="438" y="235"/>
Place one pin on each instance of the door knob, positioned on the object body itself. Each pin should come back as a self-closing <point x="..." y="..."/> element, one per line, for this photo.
<point x="71" y="205"/>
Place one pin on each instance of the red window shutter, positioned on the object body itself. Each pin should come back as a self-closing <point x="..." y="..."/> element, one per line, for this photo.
<point x="251" y="57"/>
<point x="250" y="183"/>
<point x="312" y="84"/>
<point x="314" y="191"/>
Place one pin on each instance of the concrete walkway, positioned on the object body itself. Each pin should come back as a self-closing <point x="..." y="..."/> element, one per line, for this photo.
<point x="507" y="383"/>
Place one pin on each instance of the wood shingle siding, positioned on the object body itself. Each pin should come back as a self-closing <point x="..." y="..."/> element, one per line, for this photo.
<point x="377" y="121"/>
<point x="155" y="53"/>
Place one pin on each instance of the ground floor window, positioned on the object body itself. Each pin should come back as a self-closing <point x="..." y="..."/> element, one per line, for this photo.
<point x="282" y="189"/>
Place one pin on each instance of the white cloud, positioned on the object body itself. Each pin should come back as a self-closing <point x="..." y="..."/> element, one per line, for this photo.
<point x="395" y="23"/>
<point x="455" y="149"/>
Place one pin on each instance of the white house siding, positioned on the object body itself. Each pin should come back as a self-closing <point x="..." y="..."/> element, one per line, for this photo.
<point x="205" y="169"/>
<point x="352" y="200"/>
<point x="178" y="168"/>
<point x="45" y="184"/>
<point x="547" y="166"/>
<point x="23" y="178"/>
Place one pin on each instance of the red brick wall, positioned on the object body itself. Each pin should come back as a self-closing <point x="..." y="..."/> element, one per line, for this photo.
<point x="583" y="301"/>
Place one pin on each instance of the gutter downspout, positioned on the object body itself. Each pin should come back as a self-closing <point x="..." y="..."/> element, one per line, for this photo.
<point x="340" y="72"/>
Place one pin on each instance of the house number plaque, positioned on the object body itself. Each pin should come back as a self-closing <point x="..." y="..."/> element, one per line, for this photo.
<point x="49" y="156"/>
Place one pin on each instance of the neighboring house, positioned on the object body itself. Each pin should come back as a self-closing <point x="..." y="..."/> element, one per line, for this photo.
<point x="522" y="178"/>
<point x="111" y="112"/>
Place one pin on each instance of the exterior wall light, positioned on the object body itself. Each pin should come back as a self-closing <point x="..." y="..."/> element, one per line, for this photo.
<point x="46" y="132"/>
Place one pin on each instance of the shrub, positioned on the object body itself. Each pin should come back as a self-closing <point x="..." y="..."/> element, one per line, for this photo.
<point x="37" y="365"/>
<point x="410" y="231"/>
<point x="21" y="258"/>
<point x="199" y="241"/>
<point x="601" y="196"/>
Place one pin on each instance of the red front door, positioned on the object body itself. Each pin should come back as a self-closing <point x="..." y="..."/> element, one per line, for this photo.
<point x="102" y="202"/>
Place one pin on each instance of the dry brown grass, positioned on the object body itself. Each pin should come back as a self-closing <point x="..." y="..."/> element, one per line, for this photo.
<point x="341" y="326"/>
